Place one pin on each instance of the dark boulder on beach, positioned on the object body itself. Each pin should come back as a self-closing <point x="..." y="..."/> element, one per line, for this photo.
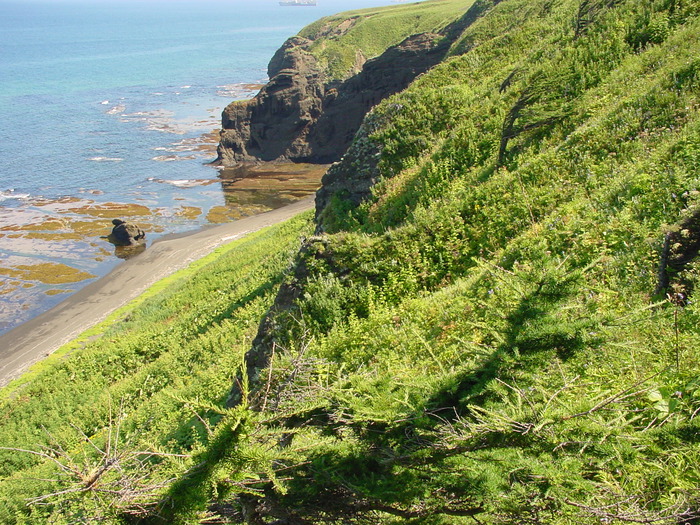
<point x="126" y="234"/>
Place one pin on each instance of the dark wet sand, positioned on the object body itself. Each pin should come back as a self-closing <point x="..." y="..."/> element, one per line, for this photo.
<point x="39" y="337"/>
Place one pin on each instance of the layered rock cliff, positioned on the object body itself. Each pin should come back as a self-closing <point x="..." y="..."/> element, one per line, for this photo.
<point x="302" y="116"/>
<point x="309" y="113"/>
<point x="305" y="113"/>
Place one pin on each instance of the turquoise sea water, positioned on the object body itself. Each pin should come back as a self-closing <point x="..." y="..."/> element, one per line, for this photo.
<point x="104" y="103"/>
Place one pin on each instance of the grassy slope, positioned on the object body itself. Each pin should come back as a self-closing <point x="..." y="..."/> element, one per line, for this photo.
<point x="159" y="374"/>
<point x="481" y="338"/>
<point x="337" y="39"/>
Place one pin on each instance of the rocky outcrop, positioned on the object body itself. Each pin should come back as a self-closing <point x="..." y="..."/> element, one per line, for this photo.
<point x="351" y="179"/>
<point x="276" y="123"/>
<point x="301" y="116"/>
<point x="681" y="247"/>
<point x="345" y="107"/>
<point x="126" y="234"/>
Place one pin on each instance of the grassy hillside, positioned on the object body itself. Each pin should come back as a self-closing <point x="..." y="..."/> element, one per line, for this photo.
<point x="107" y="423"/>
<point x="486" y="338"/>
<point x="505" y="332"/>
<point x="345" y="40"/>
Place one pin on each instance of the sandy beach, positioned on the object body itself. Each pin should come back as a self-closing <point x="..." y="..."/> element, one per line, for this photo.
<point x="39" y="337"/>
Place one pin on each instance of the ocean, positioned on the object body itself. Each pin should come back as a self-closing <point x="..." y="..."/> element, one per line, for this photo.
<point x="108" y="109"/>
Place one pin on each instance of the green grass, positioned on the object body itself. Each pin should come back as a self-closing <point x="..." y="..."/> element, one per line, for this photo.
<point x="479" y="341"/>
<point x="481" y="337"/>
<point x="159" y="369"/>
<point x="338" y="39"/>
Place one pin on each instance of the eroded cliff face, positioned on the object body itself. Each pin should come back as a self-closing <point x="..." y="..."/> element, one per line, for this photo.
<point x="351" y="179"/>
<point x="275" y="124"/>
<point x="301" y="116"/>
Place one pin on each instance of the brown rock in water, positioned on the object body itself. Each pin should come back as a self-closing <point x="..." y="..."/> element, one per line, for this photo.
<point x="125" y="234"/>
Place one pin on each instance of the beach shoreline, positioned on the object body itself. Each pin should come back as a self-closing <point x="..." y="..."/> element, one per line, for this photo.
<point x="49" y="249"/>
<point x="40" y="336"/>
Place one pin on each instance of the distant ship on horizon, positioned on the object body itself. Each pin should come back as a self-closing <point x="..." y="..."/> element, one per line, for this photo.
<point x="298" y="2"/>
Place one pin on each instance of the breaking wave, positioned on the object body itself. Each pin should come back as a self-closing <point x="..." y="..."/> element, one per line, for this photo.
<point x="11" y="195"/>
<point x="186" y="183"/>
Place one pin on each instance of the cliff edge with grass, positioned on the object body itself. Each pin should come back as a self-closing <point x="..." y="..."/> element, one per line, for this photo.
<point x="495" y="322"/>
<point x="324" y="80"/>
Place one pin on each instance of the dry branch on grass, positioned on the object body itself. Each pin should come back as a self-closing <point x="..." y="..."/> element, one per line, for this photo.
<point x="109" y="478"/>
<point x="634" y="509"/>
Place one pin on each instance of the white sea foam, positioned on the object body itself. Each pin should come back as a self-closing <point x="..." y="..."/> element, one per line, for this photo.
<point x="156" y="120"/>
<point x="106" y="159"/>
<point x="177" y="147"/>
<point x="173" y="158"/>
<point x="187" y="183"/>
<point x="238" y="91"/>
<point x="11" y="195"/>
<point x="119" y="108"/>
